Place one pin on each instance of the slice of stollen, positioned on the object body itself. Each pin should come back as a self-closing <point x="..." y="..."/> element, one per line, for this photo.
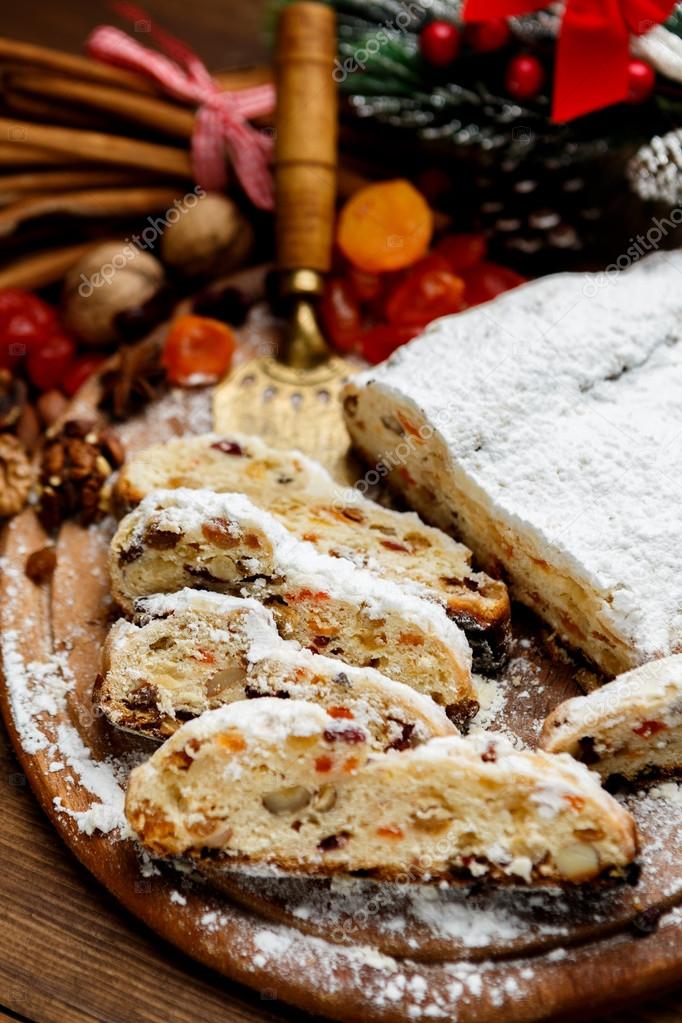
<point x="630" y="727"/>
<point x="223" y="542"/>
<point x="284" y="783"/>
<point x="194" y="651"/>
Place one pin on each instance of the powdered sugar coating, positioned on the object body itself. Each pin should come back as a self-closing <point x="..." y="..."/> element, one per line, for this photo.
<point x="562" y="403"/>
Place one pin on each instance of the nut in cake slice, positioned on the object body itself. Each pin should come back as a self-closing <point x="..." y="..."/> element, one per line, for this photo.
<point x="545" y="428"/>
<point x="195" y="650"/>
<point x="338" y="520"/>
<point x="222" y="542"/>
<point x="630" y="727"/>
<point x="284" y="783"/>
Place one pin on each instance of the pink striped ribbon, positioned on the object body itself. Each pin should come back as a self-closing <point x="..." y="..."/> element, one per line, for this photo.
<point x="221" y="118"/>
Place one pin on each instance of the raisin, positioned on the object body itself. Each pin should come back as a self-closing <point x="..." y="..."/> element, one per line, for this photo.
<point x="130" y="554"/>
<point x="646" y="922"/>
<point x="40" y="565"/>
<point x="228" y="447"/>
<point x="284" y="479"/>
<point x="341" y="679"/>
<point x="220" y="532"/>
<point x="199" y="572"/>
<point x="143" y="698"/>
<point x="161" y="539"/>
<point x="393" y="545"/>
<point x="354" y="736"/>
<point x="332" y="842"/>
<point x="404" y="740"/>
<point x="320" y="641"/>
<point x="489" y="755"/>
<point x="353" y="514"/>
<point x="587" y="753"/>
<point x="461" y="713"/>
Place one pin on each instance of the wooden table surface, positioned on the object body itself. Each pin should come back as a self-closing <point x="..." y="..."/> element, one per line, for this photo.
<point x="68" y="953"/>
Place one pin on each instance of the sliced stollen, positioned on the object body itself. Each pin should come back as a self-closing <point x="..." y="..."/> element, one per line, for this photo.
<point x="222" y="542"/>
<point x="338" y="520"/>
<point x="283" y="783"/>
<point x="543" y="433"/>
<point x="194" y="651"/>
<point x="630" y="727"/>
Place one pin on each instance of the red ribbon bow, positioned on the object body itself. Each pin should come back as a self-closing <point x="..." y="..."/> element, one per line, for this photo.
<point x="221" y="118"/>
<point x="593" y="48"/>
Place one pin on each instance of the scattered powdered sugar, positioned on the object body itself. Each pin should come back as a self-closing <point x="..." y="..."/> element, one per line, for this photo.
<point x="37" y="693"/>
<point x="670" y="791"/>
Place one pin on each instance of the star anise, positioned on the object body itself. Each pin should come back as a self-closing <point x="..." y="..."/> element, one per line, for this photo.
<point x="136" y="378"/>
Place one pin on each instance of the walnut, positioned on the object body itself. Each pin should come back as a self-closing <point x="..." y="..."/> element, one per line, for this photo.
<point x="76" y="463"/>
<point x="200" y="239"/>
<point x="110" y="278"/>
<point x="15" y="475"/>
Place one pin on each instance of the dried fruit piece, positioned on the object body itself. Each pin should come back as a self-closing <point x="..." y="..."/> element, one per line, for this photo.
<point x="430" y="290"/>
<point x="48" y="364"/>
<point x="197" y="351"/>
<point x="461" y="251"/>
<point x="381" y="341"/>
<point x="26" y="322"/>
<point x="40" y="565"/>
<point x="340" y="314"/>
<point x="385" y="226"/>
<point x="15" y="475"/>
<point x="487" y="280"/>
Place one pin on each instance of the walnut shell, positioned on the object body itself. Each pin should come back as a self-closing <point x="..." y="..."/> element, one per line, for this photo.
<point x="15" y="475"/>
<point x="200" y="238"/>
<point x="107" y="280"/>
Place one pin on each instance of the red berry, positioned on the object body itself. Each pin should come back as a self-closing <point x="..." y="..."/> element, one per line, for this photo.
<point x="79" y="372"/>
<point x="461" y="251"/>
<point x="641" y="81"/>
<point x="26" y="322"/>
<point x="48" y="364"/>
<point x="487" y="280"/>
<point x="340" y="314"/>
<point x="524" y="76"/>
<point x="439" y="43"/>
<point x="486" y="36"/>
<point x="379" y="342"/>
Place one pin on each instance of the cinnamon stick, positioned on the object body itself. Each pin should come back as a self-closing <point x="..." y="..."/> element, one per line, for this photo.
<point x="64" y="180"/>
<point x="98" y="146"/>
<point x="16" y="154"/>
<point x="42" y="268"/>
<point x="15" y="51"/>
<point x="159" y="114"/>
<point x="95" y="202"/>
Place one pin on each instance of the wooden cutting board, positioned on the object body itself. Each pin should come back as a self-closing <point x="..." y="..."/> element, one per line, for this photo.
<point x="353" y="950"/>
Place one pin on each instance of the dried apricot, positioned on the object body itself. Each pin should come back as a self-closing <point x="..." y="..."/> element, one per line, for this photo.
<point x="385" y="226"/>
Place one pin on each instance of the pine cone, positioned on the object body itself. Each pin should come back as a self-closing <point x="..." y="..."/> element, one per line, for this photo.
<point x="655" y="171"/>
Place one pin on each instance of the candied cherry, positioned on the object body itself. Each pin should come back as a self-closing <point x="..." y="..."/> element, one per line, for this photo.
<point x="47" y="365"/>
<point x="198" y="350"/>
<point x="430" y="290"/>
<point x="461" y="251"/>
<point x="366" y="287"/>
<point x="381" y="341"/>
<point x="340" y="314"/>
<point x="487" y="280"/>
<point x="26" y="322"/>
<point x="385" y="226"/>
<point x="80" y="371"/>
